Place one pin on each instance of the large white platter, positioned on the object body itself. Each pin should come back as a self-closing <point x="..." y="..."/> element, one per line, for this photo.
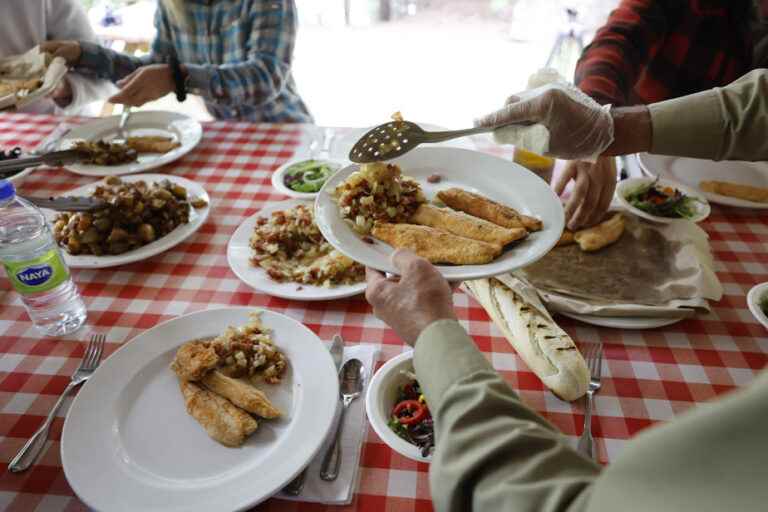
<point x="178" y="126"/>
<point x="197" y="217"/>
<point x="128" y="443"/>
<point x="493" y="177"/>
<point x="692" y="171"/>
<point x="239" y="255"/>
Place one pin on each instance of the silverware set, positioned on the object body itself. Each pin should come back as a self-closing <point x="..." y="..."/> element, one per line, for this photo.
<point x="32" y="449"/>
<point x="594" y="357"/>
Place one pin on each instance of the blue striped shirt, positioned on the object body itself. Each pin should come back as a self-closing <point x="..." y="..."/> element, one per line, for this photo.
<point x="237" y="52"/>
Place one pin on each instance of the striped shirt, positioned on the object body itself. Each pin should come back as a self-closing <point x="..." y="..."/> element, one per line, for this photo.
<point x="237" y="53"/>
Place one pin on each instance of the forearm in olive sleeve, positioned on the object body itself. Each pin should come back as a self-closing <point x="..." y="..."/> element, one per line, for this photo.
<point x="493" y="453"/>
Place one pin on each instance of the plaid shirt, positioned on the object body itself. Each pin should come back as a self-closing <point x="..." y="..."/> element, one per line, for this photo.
<point x="652" y="50"/>
<point x="237" y="53"/>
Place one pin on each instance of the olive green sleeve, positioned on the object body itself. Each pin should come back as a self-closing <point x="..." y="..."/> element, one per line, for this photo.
<point x="492" y="452"/>
<point x="728" y="123"/>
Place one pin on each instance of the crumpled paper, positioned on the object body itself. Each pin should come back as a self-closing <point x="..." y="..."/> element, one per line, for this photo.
<point x="30" y="65"/>
<point x="654" y="270"/>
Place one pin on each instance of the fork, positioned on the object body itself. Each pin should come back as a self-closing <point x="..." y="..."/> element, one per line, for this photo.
<point x="31" y="450"/>
<point x="595" y="363"/>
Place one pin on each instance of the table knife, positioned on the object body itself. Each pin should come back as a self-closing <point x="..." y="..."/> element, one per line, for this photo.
<point x="67" y="204"/>
<point x="337" y="353"/>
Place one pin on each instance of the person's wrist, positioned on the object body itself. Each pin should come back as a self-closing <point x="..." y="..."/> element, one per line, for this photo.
<point x="426" y="320"/>
<point x="632" y="131"/>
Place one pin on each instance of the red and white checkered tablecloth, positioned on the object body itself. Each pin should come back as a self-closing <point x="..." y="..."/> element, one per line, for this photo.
<point x="649" y="376"/>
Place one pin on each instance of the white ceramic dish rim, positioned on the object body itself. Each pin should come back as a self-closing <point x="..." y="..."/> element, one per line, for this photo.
<point x="279" y="175"/>
<point x="625" y="322"/>
<point x="198" y="217"/>
<point x="258" y="279"/>
<point x="702" y="207"/>
<point x="374" y="396"/>
<point x="753" y="302"/>
<point x="327" y="217"/>
<point x="191" y="133"/>
<point x="320" y="415"/>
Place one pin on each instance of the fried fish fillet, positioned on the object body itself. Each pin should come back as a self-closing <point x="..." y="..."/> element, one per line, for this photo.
<point x="241" y="394"/>
<point x="194" y="359"/>
<point x="435" y="245"/>
<point x="567" y="238"/>
<point x="745" y="192"/>
<point x="222" y="421"/>
<point x="465" y="225"/>
<point x="487" y="209"/>
<point x="16" y="86"/>
<point x="152" y="144"/>
<point x="602" y="235"/>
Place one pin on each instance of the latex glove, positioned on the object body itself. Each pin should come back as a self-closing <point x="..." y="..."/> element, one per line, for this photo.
<point x="411" y="303"/>
<point x="70" y="51"/>
<point x="146" y="84"/>
<point x="594" y="185"/>
<point x="579" y="127"/>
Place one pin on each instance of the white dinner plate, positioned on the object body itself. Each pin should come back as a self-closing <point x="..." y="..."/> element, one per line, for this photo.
<point x="490" y="176"/>
<point x="179" y="127"/>
<point x="239" y="255"/>
<point x="692" y="171"/>
<point x="625" y="187"/>
<point x="342" y="145"/>
<point x="197" y="217"/>
<point x="624" y="322"/>
<point x="128" y="443"/>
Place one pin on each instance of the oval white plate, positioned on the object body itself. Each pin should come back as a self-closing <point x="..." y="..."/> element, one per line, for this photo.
<point x="622" y="322"/>
<point x="753" y="302"/>
<point x="279" y="175"/>
<point x="493" y="177"/>
<point x="180" y="127"/>
<point x="129" y="444"/>
<point x="197" y="217"/>
<point x="692" y="171"/>
<point x="239" y="255"/>
<point x="343" y="144"/>
<point x="628" y="186"/>
<point x="381" y="397"/>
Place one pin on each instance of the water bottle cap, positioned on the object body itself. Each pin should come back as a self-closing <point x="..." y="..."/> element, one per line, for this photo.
<point x="7" y="190"/>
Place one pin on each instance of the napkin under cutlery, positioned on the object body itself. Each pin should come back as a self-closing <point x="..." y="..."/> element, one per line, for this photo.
<point x="342" y="490"/>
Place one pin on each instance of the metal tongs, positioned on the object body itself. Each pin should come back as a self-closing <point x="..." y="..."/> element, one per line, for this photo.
<point x="55" y="159"/>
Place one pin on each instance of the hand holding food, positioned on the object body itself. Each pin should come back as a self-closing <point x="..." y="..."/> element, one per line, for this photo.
<point x="70" y="51"/>
<point x="594" y="185"/>
<point x="595" y="238"/>
<point x="421" y="296"/>
<point x="579" y="128"/>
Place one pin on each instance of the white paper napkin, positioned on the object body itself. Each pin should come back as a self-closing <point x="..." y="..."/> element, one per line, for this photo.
<point x="341" y="490"/>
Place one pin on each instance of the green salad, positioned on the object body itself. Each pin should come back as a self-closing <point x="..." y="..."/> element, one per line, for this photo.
<point x="308" y="176"/>
<point x="663" y="201"/>
<point x="764" y="304"/>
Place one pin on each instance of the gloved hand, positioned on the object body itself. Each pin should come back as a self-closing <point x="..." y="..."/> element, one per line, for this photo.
<point x="579" y="128"/>
<point x="592" y="192"/>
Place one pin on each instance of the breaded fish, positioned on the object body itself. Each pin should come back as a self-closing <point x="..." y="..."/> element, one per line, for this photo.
<point x="465" y="225"/>
<point x="435" y="245"/>
<point x="194" y="359"/>
<point x="151" y="144"/>
<point x="602" y="235"/>
<point x="567" y="238"/>
<point x="745" y="192"/>
<point x="222" y="421"/>
<point x="241" y="394"/>
<point x="487" y="209"/>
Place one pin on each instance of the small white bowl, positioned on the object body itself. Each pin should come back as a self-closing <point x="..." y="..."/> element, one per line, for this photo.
<point x="279" y="175"/>
<point x="381" y="398"/>
<point x="753" y="301"/>
<point x="630" y="185"/>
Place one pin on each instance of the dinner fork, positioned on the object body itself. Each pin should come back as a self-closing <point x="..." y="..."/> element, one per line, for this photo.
<point x="31" y="450"/>
<point x="595" y="364"/>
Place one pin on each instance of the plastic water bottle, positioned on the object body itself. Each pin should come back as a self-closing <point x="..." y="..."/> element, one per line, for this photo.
<point x="34" y="265"/>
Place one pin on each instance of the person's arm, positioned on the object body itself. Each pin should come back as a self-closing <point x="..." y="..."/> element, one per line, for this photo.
<point x="492" y="452"/>
<point x="261" y="78"/>
<point x="610" y="65"/>
<point x="66" y="19"/>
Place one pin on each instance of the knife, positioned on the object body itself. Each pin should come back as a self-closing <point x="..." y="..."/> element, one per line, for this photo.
<point x="337" y="353"/>
<point x="67" y="204"/>
<point x="55" y="159"/>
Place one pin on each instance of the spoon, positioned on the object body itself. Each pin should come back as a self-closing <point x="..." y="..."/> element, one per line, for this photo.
<point x="395" y="138"/>
<point x="352" y="379"/>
